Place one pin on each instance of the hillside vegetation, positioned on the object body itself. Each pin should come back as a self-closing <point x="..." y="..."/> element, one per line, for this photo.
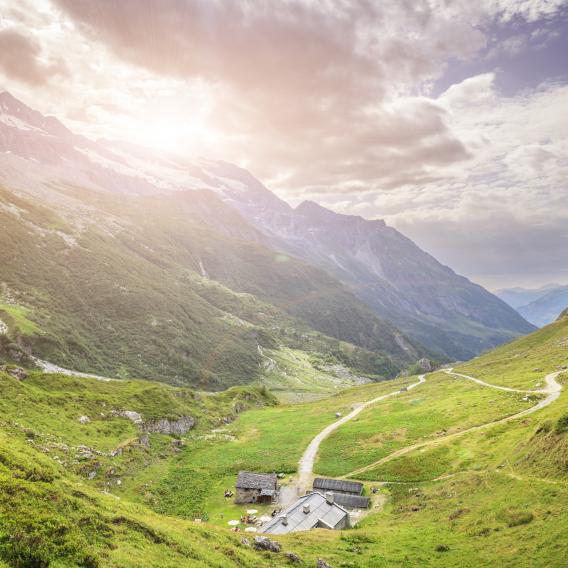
<point x="123" y="293"/>
<point x="53" y="467"/>
<point x="85" y="484"/>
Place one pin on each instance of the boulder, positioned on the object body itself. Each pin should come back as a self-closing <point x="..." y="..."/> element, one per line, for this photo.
<point x="292" y="557"/>
<point x="263" y="543"/>
<point x="16" y="372"/>
<point x="322" y="563"/>
<point x="84" y="419"/>
<point x="130" y="414"/>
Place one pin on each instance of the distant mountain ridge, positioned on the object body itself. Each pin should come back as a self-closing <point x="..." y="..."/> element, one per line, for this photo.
<point x="398" y="281"/>
<point x="539" y="306"/>
<point x="518" y="297"/>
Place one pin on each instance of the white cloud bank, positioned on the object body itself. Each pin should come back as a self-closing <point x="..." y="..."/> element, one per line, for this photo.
<point x="326" y="100"/>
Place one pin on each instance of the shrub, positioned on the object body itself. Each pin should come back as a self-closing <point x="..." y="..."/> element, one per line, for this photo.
<point x="562" y="424"/>
<point x="514" y="518"/>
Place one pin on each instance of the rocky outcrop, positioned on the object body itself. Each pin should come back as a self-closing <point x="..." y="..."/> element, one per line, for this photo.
<point x="263" y="543"/>
<point x="130" y="414"/>
<point x="16" y="372"/>
<point x="176" y="426"/>
<point x="167" y="426"/>
<point x="425" y="365"/>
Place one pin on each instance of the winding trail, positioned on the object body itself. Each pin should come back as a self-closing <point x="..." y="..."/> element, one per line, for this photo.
<point x="306" y="464"/>
<point x="552" y="392"/>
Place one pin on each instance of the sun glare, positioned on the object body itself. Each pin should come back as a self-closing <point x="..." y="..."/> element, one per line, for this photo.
<point x="175" y="133"/>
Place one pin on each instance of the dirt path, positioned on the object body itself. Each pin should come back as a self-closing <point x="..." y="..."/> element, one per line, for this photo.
<point x="552" y="392"/>
<point x="306" y="464"/>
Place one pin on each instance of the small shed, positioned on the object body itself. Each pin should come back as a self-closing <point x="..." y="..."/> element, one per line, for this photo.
<point x="256" y="487"/>
<point x="352" y="501"/>
<point x="338" y="486"/>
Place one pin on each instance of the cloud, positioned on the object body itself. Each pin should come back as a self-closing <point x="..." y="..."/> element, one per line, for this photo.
<point x="528" y="10"/>
<point x="509" y="208"/>
<point x="19" y="58"/>
<point x="321" y="91"/>
<point x="331" y="101"/>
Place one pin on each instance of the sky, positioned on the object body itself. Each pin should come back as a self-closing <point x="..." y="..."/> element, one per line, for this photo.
<point x="447" y="119"/>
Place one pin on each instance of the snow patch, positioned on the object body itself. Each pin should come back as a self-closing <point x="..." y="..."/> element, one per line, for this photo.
<point x="15" y="122"/>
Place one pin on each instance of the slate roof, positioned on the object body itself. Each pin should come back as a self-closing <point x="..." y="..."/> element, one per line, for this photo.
<point x="321" y="514"/>
<point x="352" y="501"/>
<point x="323" y="484"/>
<point x="248" y="480"/>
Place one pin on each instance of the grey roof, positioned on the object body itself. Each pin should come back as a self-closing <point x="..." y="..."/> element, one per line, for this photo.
<point x="324" y="484"/>
<point x="248" y="480"/>
<point x="322" y="514"/>
<point x="352" y="501"/>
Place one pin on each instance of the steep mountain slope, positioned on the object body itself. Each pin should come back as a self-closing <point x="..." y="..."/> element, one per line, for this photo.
<point x="547" y="308"/>
<point x="99" y="284"/>
<point x="402" y="283"/>
<point x="397" y="280"/>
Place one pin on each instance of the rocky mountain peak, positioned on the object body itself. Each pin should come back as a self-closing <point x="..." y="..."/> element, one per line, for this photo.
<point x="30" y="119"/>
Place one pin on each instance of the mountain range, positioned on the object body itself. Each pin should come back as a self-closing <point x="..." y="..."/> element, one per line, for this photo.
<point x="539" y="306"/>
<point x="125" y="260"/>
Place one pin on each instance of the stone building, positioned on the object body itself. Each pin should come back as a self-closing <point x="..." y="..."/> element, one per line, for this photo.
<point x="312" y="511"/>
<point x="256" y="487"/>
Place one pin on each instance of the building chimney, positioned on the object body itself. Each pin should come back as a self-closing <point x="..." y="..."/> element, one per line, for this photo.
<point x="306" y="509"/>
<point x="329" y="497"/>
<point x="284" y="520"/>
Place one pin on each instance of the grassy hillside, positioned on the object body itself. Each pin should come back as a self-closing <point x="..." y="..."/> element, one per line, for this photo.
<point x="438" y="408"/>
<point x="52" y="512"/>
<point x="115" y="290"/>
<point x="497" y="494"/>
<point x="523" y="363"/>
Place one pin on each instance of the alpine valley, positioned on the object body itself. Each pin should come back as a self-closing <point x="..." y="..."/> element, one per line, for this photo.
<point x="171" y="330"/>
<point x="123" y="261"/>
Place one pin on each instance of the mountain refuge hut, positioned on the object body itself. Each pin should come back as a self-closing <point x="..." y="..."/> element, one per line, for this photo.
<point x="256" y="487"/>
<point x="312" y="511"/>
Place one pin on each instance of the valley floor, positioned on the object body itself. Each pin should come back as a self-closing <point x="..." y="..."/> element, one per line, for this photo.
<point x="470" y="462"/>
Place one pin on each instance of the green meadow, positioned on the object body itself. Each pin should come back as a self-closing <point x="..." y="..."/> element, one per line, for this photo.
<point x="96" y="494"/>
